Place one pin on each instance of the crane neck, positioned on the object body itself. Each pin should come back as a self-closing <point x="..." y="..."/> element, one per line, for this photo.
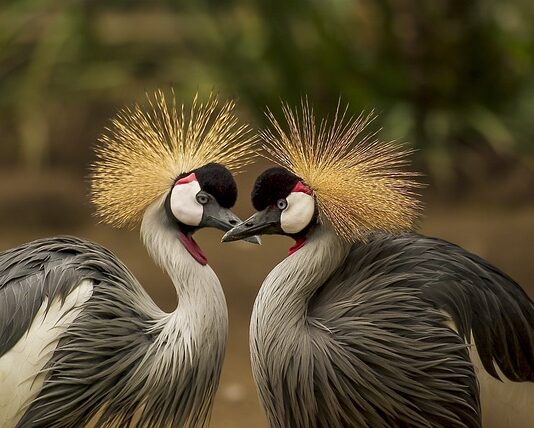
<point x="201" y="306"/>
<point x="294" y="280"/>
<point x="182" y="360"/>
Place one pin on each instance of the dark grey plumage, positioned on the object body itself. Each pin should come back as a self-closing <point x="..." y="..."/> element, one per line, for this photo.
<point x="480" y="298"/>
<point x="101" y="361"/>
<point x="358" y="337"/>
<point x="364" y="324"/>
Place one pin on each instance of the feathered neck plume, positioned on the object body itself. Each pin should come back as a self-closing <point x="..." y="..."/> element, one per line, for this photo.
<point x="357" y="180"/>
<point x="144" y="150"/>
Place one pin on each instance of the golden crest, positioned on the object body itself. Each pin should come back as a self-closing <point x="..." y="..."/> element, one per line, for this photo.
<point x="144" y="150"/>
<point x="358" y="181"/>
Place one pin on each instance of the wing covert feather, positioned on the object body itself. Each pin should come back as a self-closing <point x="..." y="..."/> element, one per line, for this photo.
<point x="484" y="303"/>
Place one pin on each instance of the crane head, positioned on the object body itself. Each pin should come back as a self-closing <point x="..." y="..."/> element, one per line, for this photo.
<point x="331" y="171"/>
<point x="165" y="164"/>
<point x="203" y="198"/>
<point x="148" y="149"/>
<point x="355" y="182"/>
<point x="285" y="206"/>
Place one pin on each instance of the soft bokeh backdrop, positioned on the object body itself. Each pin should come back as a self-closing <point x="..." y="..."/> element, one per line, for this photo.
<point x="453" y="78"/>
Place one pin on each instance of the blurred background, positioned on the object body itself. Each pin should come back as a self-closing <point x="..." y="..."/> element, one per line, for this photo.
<point x="454" y="79"/>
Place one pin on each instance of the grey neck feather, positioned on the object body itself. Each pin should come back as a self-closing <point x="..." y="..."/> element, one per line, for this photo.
<point x="279" y="317"/>
<point x="188" y="351"/>
<point x="199" y="323"/>
<point x="288" y="287"/>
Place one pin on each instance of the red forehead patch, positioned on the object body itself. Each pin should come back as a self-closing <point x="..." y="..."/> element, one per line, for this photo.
<point x="191" y="177"/>
<point x="300" y="187"/>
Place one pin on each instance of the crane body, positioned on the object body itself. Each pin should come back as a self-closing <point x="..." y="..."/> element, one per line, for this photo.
<point x="362" y="335"/>
<point x="80" y="339"/>
<point x="367" y="323"/>
<point x="102" y="342"/>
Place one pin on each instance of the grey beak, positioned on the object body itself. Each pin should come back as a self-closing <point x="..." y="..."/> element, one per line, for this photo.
<point x="253" y="240"/>
<point x="223" y="219"/>
<point x="235" y="234"/>
<point x="263" y="222"/>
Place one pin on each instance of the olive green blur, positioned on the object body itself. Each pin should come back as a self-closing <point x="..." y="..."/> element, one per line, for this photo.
<point x="453" y="79"/>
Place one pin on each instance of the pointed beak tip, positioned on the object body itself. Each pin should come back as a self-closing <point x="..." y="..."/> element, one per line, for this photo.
<point x="225" y="238"/>
<point x="229" y="237"/>
<point x="254" y="240"/>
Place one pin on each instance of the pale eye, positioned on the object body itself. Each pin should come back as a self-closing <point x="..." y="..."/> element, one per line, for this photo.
<point x="281" y="204"/>
<point x="202" y="198"/>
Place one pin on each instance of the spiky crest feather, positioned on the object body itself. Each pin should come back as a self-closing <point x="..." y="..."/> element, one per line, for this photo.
<point x="357" y="179"/>
<point x="144" y="150"/>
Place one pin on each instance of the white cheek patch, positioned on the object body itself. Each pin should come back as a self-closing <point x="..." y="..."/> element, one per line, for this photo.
<point x="184" y="205"/>
<point x="299" y="212"/>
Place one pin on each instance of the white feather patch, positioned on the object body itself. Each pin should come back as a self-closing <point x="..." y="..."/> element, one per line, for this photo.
<point x="184" y="205"/>
<point x="299" y="212"/>
<point x="19" y="367"/>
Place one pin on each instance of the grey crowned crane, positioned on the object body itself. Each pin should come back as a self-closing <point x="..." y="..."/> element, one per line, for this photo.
<point x="367" y="323"/>
<point x="80" y="339"/>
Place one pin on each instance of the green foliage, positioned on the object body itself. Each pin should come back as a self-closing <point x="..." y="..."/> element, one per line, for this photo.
<point x="445" y="75"/>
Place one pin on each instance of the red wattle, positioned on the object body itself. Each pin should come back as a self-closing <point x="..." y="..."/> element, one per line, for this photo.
<point x="301" y="187"/>
<point x="192" y="247"/>
<point x="299" y="243"/>
<point x="188" y="179"/>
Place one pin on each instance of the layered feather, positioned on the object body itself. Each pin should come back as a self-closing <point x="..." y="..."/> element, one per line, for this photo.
<point x="116" y="364"/>
<point x="145" y="149"/>
<point x="358" y="181"/>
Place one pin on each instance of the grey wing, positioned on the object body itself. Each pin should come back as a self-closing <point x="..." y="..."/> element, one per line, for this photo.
<point x="87" y="368"/>
<point x="391" y="361"/>
<point x="392" y="287"/>
<point x="483" y="302"/>
<point x="29" y="274"/>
